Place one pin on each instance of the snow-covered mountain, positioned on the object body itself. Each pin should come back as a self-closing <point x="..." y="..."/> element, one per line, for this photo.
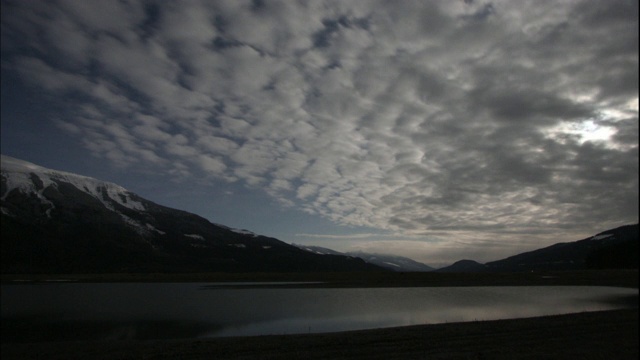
<point x="391" y="262"/>
<point x="44" y="184"/>
<point x="55" y="221"/>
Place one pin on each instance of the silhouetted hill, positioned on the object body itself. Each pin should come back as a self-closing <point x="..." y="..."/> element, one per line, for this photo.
<point x="613" y="249"/>
<point x="464" y="266"/>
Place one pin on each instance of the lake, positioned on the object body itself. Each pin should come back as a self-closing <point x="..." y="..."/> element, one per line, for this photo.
<point x="89" y="311"/>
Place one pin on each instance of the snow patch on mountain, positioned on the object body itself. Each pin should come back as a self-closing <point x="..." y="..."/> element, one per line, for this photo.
<point x="243" y="232"/>
<point x="601" y="236"/>
<point x="237" y="231"/>
<point x="152" y="228"/>
<point x="318" y="250"/>
<point x="136" y="225"/>
<point x="30" y="178"/>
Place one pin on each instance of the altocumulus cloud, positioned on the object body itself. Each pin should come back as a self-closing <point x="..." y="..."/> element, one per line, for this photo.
<point x="422" y="118"/>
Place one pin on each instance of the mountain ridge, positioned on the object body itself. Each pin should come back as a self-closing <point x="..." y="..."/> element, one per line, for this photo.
<point x="56" y="221"/>
<point x="615" y="248"/>
<point x="59" y="222"/>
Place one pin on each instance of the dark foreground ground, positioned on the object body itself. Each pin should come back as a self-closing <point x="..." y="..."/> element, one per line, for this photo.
<point x="594" y="335"/>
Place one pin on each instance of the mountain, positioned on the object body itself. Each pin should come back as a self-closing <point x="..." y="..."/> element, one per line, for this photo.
<point x="391" y="262"/>
<point x="611" y="249"/>
<point x="59" y="222"/>
<point x="464" y="266"/>
<point x="615" y="248"/>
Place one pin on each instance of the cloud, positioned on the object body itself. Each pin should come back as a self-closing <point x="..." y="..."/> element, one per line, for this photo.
<point x="413" y="117"/>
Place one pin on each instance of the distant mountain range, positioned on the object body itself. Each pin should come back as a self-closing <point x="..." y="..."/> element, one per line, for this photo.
<point x="391" y="262"/>
<point x="611" y="249"/>
<point x="59" y="222"/>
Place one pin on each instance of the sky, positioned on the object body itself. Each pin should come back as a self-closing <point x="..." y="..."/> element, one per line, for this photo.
<point x="438" y="130"/>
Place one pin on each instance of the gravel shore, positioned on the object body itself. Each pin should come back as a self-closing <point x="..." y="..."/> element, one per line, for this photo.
<point x="592" y="335"/>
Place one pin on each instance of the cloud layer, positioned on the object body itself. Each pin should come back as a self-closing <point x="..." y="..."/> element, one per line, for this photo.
<point x="414" y="117"/>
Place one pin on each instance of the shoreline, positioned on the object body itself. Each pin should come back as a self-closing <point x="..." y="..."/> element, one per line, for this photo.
<point x="588" y="335"/>
<point x="621" y="278"/>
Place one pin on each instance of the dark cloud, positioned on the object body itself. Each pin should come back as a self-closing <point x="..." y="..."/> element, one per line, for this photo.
<point x="481" y="14"/>
<point x="626" y="132"/>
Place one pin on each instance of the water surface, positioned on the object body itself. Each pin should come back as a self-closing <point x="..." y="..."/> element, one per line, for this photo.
<point x="80" y="311"/>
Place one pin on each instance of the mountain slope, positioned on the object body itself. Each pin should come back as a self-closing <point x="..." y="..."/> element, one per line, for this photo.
<point x="615" y="248"/>
<point x="59" y="222"/>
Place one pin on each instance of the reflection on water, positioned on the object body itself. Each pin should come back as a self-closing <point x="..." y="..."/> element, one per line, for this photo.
<point x="173" y="310"/>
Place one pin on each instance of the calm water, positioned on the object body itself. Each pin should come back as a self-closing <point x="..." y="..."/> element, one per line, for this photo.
<point x="70" y="311"/>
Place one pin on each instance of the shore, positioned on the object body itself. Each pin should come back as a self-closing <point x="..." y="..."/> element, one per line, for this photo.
<point x="592" y="335"/>
<point x="621" y="278"/>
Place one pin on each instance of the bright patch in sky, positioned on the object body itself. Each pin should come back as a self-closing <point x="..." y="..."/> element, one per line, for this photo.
<point x="590" y="131"/>
<point x="587" y="130"/>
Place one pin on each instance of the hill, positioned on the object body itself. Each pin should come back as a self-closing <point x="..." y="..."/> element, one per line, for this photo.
<point x="464" y="266"/>
<point x="614" y="249"/>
